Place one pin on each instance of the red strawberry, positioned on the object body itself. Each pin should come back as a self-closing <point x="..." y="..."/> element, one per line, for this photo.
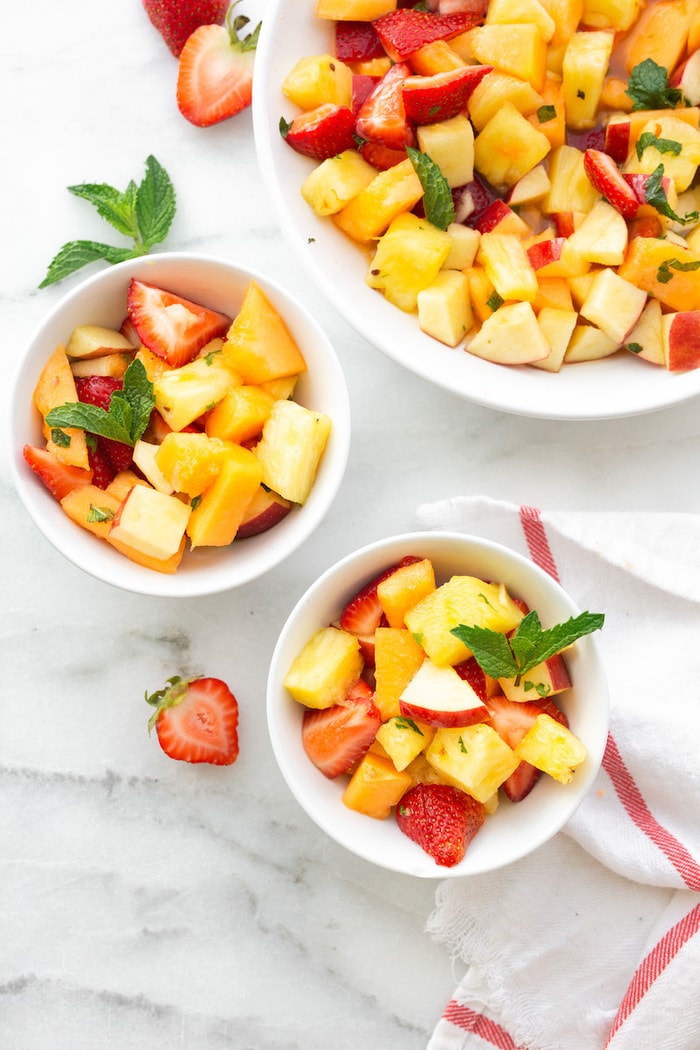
<point x="334" y="738"/>
<point x="357" y="42"/>
<point x="406" y="30"/>
<point x="215" y="74"/>
<point x="362" y="86"/>
<point x="605" y="176"/>
<point x="382" y="117"/>
<point x="174" y="328"/>
<point x="98" y="390"/>
<point x="176" y="20"/>
<point x="381" y="157"/>
<point x="321" y="132"/>
<point x="363" y="613"/>
<point x="196" y="720"/>
<point x="441" y="96"/>
<point x="470" y="671"/>
<point x="471" y="201"/>
<point x="441" y="819"/>
<point x="512" y="721"/>
<point x="102" y="468"/>
<point x="59" y="478"/>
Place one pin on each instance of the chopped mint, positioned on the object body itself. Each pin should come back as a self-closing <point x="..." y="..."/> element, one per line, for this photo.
<point x="437" y="195"/>
<point x="648" y="138"/>
<point x="656" y="196"/>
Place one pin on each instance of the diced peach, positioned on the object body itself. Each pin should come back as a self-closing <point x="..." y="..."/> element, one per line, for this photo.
<point x="240" y="415"/>
<point x="353" y="10"/>
<point x="397" y="656"/>
<point x="657" y="266"/>
<point x="376" y="787"/>
<point x="259" y="346"/>
<point x="370" y="213"/>
<point x="215" y="520"/>
<point x="435" y="57"/>
<point x="92" y="508"/>
<point x="660" y="33"/>
<point x="190" y="461"/>
<point x="55" y="387"/>
<point x="550" y="115"/>
<point x="406" y="586"/>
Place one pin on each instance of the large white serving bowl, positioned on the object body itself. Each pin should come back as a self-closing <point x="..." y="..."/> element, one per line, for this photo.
<point x="101" y="299"/>
<point x="614" y="387"/>
<point x="514" y="829"/>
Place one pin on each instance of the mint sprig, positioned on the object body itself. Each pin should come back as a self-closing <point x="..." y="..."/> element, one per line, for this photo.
<point x="648" y="87"/>
<point x="528" y="646"/>
<point x="437" y="195"/>
<point x="656" y="196"/>
<point x="142" y="212"/>
<point x="128" y="414"/>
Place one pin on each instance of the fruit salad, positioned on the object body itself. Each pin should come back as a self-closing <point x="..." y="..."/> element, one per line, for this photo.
<point x="436" y="702"/>
<point x="520" y="174"/>
<point x="179" y="430"/>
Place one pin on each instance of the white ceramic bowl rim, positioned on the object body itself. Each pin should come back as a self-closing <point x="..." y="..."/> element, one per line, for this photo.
<point x="515" y="830"/>
<point x="101" y="298"/>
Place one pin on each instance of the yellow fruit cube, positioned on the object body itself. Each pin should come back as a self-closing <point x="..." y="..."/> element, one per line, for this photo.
<point x="151" y="522"/>
<point x="518" y="49"/>
<point x="436" y="57"/>
<point x="681" y="167"/>
<point x="473" y="758"/>
<point x="293" y="441"/>
<point x="184" y="394"/>
<point x="464" y="246"/>
<point x="613" y="304"/>
<point x="553" y="748"/>
<point x="508" y="147"/>
<point x="354" y="10"/>
<point x="507" y="266"/>
<point x="391" y="192"/>
<point x="397" y="657"/>
<point x="403" y="739"/>
<point x="444" y="308"/>
<point x="216" y="518"/>
<point x="335" y="181"/>
<point x="408" y="258"/>
<point x="450" y="144"/>
<point x="462" y="599"/>
<point x="584" y="68"/>
<point x="376" y="786"/>
<point x="144" y="458"/>
<point x="570" y="189"/>
<point x="528" y="11"/>
<point x="316" y="79"/>
<point x="55" y="387"/>
<point x="259" y="345"/>
<point x="240" y="415"/>
<point x="589" y="343"/>
<point x="325" y="670"/>
<point x="510" y="336"/>
<point x="404" y="588"/>
<point x="190" y="461"/>
<point x="611" y="14"/>
<point x="495" y="90"/>
<point x="549" y="116"/>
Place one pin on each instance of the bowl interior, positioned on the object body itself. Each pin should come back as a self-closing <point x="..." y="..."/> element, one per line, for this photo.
<point x="221" y="285"/>
<point x="617" y="386"/>
<point x="513" y="830"/>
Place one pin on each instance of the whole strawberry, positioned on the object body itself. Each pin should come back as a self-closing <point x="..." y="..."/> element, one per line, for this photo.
<point x="176" y="20"/>
<point x="441" y="819"/>
<point x="196" y="720"/>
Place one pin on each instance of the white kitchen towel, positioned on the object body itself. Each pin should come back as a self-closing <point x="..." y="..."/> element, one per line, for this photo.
<point x="593" y="941"/>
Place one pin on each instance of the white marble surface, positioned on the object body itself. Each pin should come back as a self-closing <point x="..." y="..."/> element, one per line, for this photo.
<point x="144" y="903"/>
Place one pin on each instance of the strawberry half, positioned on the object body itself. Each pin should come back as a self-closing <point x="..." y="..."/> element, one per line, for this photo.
<point x="98" y="390"/>
<point x="196" y="720"/>
<point x="441" y="96"/>
<point x="406" y="30"/>
<point x="174" y="328"/>
<point x="176" y="20"/>
<point x="215" y="73"/>
<point x="59" y="478"/>
<point x="604" y="174"/>
<point x="441" y="819"/>
<point x="363" y="613"/>
<point x="382" y="117"/>
<point x="470" y="671"/>
<point x="334" y="738"/>
<point x="357" y="42"/>
<point x="322" y="132"/>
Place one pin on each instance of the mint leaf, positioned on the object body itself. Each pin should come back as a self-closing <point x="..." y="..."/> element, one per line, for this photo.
<point x="545" y="114"/>
<point x="128" y="415"/>
<point x="656" y="196"/>
<point x="437" y="195"/>
<point x="528" y="646"/>
<point x="648" y="138"/>
<point x="635" y="348"/>
<point x="664" y="275"/>
<point x="143" y="213"/>
<point x="648" y="87"/>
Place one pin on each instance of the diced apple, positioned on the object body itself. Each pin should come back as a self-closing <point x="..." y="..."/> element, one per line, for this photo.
<point x="549" y="678"/>
<point x="444" y="307"/>
<point x="553" y="748"/>
<point x="500" y="217"/>
<point x="293" y="441"/>
<point x="145" y="460"/>
<point x="473" y="758"/>
<point x="151" y="522"/>
<point x="589" y="343"/>
<point x="617" y="137"/>
<point x="326" y="668"/>
<point x="264" y="511"/>
<point x="463" y="247"/>
<point x="92" y="340"/>
<point x="510" y="336"/>
<point x="533" y="186"/>
<point x="687" y="78"/>
<point x="557" y="327"/>
<point x="439" y="697"/>
<point x="602" y="236"/>
<point x="112" y="365"/>
<point x="646" y="339"/>
<point x="613" y="304"/>
<point x="681" y="336"/>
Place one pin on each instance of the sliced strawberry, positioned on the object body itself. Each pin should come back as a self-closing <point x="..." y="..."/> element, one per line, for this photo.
<point x="604" y="174"/>
<point x="521" y="781"/>
<point x="334" y="738"/>
<point x="441" y="96"/>
<point x="381" y="157"/>
<point x="322" y="132"/>
<point x="176" y="21"/>
<point x="406" y="30"/>
<point x="382" y="117"/>
<point x="113" y="455"/>
<point x="103" y="470"/>
<point x="215" y="73"/>
<point x="471" y="201"/>
<point x="97" y="390"/>
<point x="512" y="721"/>
<point x="196" y="720"/>
<point x="363" y="613"/>
<point x="357" y="42"/>
<point x="174" y="328"/>
<point x="59" y="478"/>
<point x="470" y="671"/>
<point x="441" y="819"/>
<point x="361" y="87"/>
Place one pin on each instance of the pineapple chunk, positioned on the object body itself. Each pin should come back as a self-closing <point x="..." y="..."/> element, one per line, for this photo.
<point x="404" y="588"/>
<point x="507" y="266"/>
<point x="184" y="394"/>
<point x="316" y="79"/>
<point x="326" y="669"/>
<point x="397" y="657"/>
<point x="611" y="14"/>
<point x="444" y="307"/>
<point x="462" y="599"/>
<point x="335" y="181"/>
<point x="390" y="193"/>
<point x="293" y="441"/>
<point x="553" y="748"/>
<point x="221" y="509"/>
<point x="528" y="11"/>
<point x="259" y="346"/>
<point x="408" y="258"/>
<point x="376" y="786"/>
<point x="510" y="336"/>
<point x="151" y="522"/>
<point x="354" y="10"/>
<point x="508" y="147"/>
<point x="518" y="49"/>
<point x="584" y="69"/>
<point x="495" y="90"/>
<point x="681" y="168"/>
<point x="450" y="144"/>
<point x="570" y="189"/>
<point x="473" y="758"/>
<point x="403" y="739"/>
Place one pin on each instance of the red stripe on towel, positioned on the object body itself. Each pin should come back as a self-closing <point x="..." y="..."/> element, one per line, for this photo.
<point x="470" y="1021"/>
<point x="654" y="964"/>
<point x="631" y="798"/>
<point x="537" y="541"/>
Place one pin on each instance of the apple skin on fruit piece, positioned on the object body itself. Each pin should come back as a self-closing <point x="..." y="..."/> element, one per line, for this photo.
<point x="404" y="31"/>
<point x="322" y="132"/>
<point x="171" y="326"/>
<point x="439" y="697"/>
<point x="266" y="509"/>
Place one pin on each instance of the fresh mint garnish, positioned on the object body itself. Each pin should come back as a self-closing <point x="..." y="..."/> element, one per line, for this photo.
<point x="648" y="138"/>
<point x="437" y="195"/>
<point x="528" y="646"/>
<point x="128" y="414"/>
<point x="656" y="196"/>
<point x="143" y="213"/>
<point x="648" y="87"/>
<point x="664" y="275"/>
<point x="545" y="114"/>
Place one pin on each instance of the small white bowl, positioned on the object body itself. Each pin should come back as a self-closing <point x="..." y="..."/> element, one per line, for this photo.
<point x="616" y="387"/>
<point x="101" y="299"/>
<point x="515" y="829"/>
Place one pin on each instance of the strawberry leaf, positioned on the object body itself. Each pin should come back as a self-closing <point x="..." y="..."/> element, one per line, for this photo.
<point x="437" y="195"/>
